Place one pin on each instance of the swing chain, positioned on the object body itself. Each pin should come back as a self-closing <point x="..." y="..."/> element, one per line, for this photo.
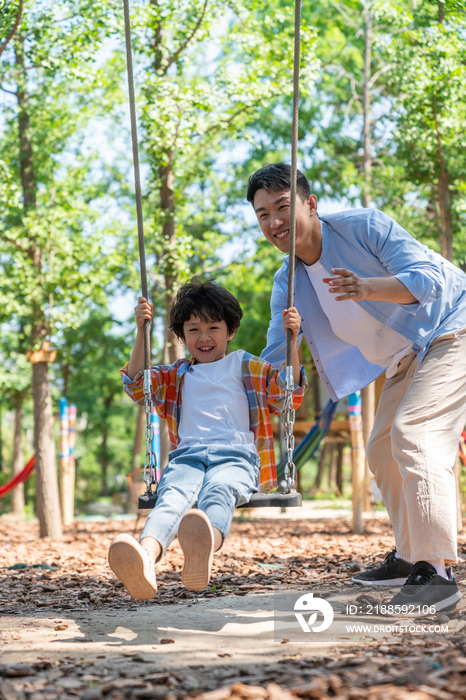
<point x="288" y="418"/>
<point x="149" y="465"/>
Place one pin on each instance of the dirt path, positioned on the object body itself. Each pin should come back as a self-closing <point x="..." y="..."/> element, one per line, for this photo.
<point x="72" y="632"/>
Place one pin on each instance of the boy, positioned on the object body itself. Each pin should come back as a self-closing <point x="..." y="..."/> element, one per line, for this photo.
<point x="217" y="407"/>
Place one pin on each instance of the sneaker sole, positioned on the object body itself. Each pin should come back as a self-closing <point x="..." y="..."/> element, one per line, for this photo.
<point x="196" y="539"/>
<point x="448" y="603"/>
<point x="391" y="582"/>
<point x="128" y="565"/>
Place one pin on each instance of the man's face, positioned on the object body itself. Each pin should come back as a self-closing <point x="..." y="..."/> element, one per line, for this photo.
<point x="273" y="214"/>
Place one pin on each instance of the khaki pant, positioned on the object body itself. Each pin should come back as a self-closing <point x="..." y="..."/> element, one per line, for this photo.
<point x="413" y="446"/>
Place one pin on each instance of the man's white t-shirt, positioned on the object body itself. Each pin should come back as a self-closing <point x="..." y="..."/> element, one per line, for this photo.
<point x="214" y="405"/>
<point x="378" y="343"/>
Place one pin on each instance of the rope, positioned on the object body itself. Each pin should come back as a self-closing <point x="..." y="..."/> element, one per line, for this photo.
<point x="137" y="177"/>
<point x="288" y="413"/>
<point x="150" y="462"/>
<point x="294" y="167"/>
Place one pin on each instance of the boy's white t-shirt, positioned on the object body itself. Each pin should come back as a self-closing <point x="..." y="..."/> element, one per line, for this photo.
<point x="378" y="343"/>
<point x="214" y="405"/>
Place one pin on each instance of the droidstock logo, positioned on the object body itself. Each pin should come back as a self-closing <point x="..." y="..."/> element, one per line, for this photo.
<point x="308" y="604"/>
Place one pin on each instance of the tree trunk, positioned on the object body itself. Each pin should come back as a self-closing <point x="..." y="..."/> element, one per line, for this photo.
<point x="48" y="504"/>
<point x="173" y="349"/>
<point x="332" y="472"/>
<point x="26" y="159"/>
<point x="366" y="197"/>
<point x="17" y="495"/>
<point x="444" y="199"/>
<point x="326" y="451"/>
<point x="444" y="195"/>
<point x="104" y="464"/>
<point x="104" y="450"/>
<point x="47" y="500"/>
<point x="339" y="479"/>
<point x="441" y="12"/>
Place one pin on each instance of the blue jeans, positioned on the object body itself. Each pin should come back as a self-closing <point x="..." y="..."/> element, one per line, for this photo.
<point x="218" y="477"/>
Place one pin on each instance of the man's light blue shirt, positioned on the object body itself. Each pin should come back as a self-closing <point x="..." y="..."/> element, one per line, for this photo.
<point x="371" y="244"/>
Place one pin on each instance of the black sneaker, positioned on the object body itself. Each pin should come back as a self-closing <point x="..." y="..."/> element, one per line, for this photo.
<point x="425" y="593"/>
<point x="391" y="572"/>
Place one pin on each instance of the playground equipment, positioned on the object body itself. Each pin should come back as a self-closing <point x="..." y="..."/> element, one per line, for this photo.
<point x="67" y="416"/>
<point x="19" y="478"/>
<point x="287" y="495"/>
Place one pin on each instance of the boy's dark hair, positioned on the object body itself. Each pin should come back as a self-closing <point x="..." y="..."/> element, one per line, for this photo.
<point x="277" y="178"/>
<point x="207" y="300"/>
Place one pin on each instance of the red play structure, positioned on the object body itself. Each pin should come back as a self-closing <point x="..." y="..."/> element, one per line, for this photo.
<point x="22" y="476"/>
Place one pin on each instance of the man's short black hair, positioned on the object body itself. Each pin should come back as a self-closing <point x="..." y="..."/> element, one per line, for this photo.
<point x="206" y="300"/>
<point x="277" y="178"/>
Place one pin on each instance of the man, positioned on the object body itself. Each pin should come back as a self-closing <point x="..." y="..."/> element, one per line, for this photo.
<point x="371" y="299"/>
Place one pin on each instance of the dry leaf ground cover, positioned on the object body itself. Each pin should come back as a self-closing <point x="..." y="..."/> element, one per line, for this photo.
<point x="259" y="556"/>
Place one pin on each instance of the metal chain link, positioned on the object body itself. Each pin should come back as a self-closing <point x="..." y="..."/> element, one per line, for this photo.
<point x="150" y="463"/>
<point x="288" y="418"/>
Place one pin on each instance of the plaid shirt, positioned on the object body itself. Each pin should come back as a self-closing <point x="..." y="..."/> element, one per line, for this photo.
<point x="265" y="390"/>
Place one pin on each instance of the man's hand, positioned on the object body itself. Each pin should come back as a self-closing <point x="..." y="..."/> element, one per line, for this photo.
<point x="348" y="284"/>
<point x="351" y="286"/>
<point x="143" y="312"/>
<point x="292" y="320"/>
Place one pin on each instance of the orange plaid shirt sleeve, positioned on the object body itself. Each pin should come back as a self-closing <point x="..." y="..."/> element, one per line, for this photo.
<point x="265" y="390"/>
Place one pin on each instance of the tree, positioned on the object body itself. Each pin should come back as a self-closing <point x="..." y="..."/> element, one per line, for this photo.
<point x="51" y="260"/>
<point x="429" y="81"/>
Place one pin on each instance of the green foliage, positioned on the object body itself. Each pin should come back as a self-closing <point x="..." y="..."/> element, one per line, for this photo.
<point x="429" y="81"/>
<point x="50" y="249"/>
<point x="214" y="89"/>
<point x="417" y="104"/>
<point x="206" y="71"/>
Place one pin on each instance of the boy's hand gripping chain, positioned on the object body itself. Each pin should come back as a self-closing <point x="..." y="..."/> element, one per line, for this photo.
<point x="150" y="462"/>
<point x="288" y="417"/>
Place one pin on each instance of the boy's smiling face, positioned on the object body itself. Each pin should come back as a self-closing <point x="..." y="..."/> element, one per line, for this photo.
<point x="206" y="340"/>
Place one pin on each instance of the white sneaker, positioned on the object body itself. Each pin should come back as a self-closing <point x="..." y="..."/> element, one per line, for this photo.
<point x="134" y="566"/>
<point x="196" y="538"/>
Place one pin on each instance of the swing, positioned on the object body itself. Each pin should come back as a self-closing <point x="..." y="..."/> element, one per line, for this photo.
<point x="286" y="496"/>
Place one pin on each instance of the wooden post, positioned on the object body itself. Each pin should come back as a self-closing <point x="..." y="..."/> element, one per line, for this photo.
<point x="457" y="469"/>
<point x="63" y="455"/>
<point x="358" y="460"/>
<point x="368" y="415"/>
<point x="339" y="478"/>
<point x="71" y="465"/>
